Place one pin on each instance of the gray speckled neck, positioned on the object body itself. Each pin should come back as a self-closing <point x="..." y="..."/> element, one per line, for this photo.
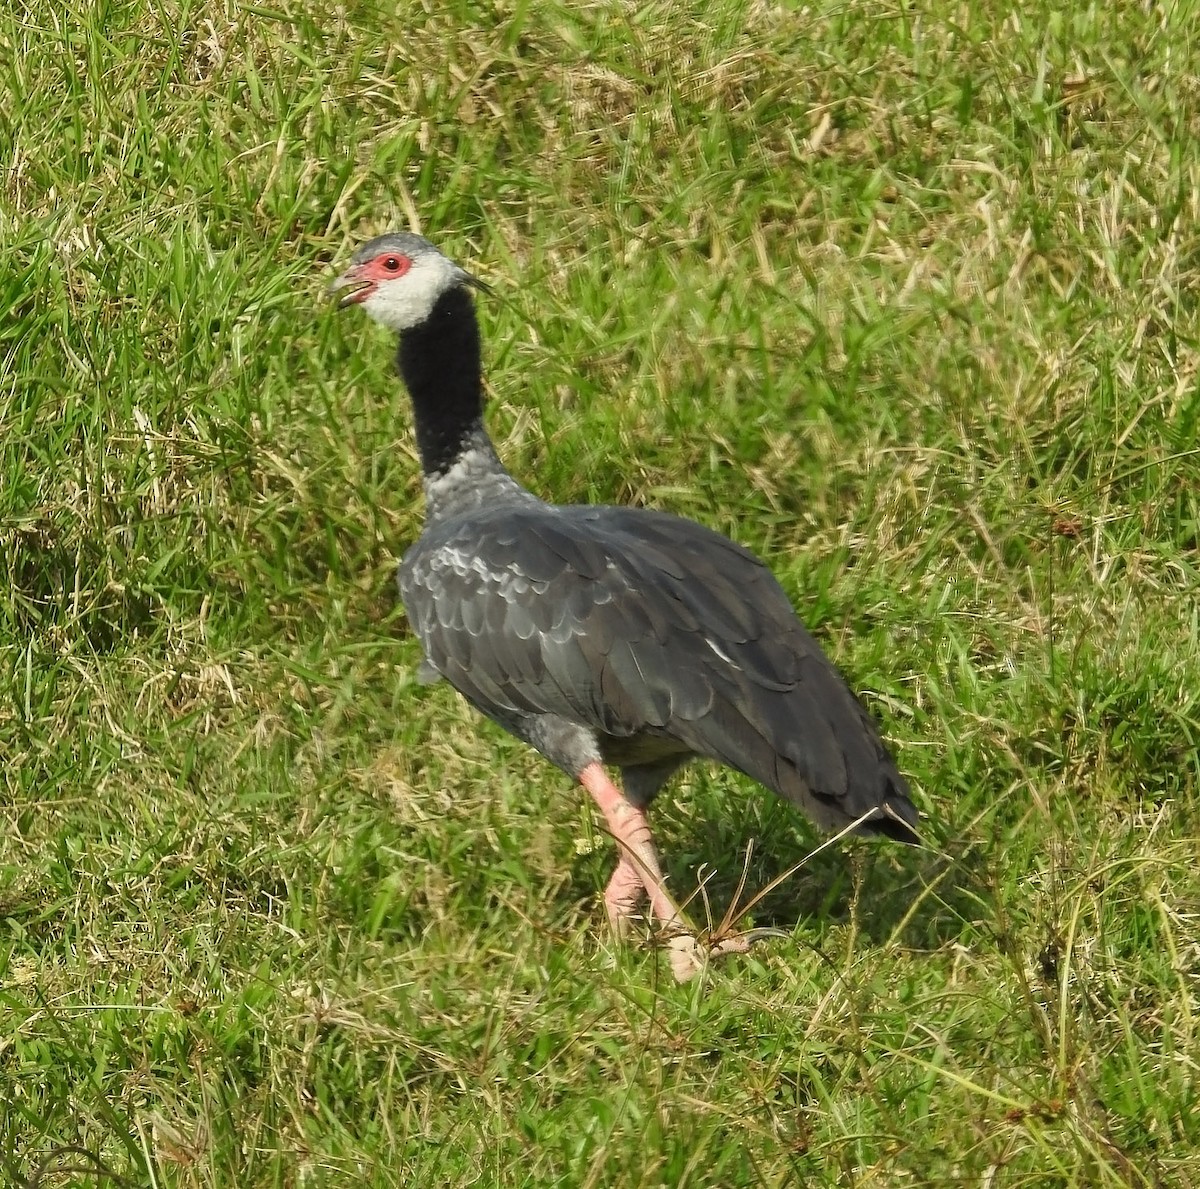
<point x="475" y="479"/>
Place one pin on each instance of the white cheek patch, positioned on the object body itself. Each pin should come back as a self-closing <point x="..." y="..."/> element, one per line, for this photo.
<point x="409" y="300"/>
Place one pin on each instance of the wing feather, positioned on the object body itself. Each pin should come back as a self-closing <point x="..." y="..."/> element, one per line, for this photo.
<point x="628" y="622"/>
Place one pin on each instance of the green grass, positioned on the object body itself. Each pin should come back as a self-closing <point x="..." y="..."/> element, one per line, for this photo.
<point x="902" y="296"/>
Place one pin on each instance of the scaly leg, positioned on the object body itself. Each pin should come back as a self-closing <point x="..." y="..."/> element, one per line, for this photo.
<point x="638" y="861"/>
<point x="624" y="893"/>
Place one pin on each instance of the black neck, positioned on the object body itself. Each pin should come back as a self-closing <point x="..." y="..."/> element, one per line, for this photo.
<point x="440" y="363"/>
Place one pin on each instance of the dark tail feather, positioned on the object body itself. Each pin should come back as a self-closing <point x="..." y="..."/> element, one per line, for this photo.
<point x="899" y="821"/>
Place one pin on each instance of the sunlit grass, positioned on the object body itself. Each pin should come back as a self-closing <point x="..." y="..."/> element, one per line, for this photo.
<point x="902" y="298"/>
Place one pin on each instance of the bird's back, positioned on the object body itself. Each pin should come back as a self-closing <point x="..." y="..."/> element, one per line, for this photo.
<point x="644" y="627"/>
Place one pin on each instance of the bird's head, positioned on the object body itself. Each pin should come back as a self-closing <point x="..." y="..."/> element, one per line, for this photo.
<point x="397" y="278"/>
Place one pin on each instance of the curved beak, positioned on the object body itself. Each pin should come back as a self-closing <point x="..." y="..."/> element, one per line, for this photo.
<point x="353" y="280"/>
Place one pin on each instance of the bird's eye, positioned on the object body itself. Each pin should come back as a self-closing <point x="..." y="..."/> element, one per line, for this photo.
<point x="392" y="264"/>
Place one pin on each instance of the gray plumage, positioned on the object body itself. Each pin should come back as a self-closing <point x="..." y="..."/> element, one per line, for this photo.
<point x="604" y="634"/>
<point x="640" y="639"/>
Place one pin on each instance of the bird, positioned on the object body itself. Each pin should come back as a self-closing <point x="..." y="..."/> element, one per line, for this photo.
<point x="606" y="637"/>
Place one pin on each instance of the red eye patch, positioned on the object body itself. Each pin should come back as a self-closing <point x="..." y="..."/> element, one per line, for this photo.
<point x="387" y="267"/>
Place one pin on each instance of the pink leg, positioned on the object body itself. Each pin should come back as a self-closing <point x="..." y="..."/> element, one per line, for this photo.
<point x="638" y="870"/>
<point x="632" y="832"/>
<point x="623" y="894"/>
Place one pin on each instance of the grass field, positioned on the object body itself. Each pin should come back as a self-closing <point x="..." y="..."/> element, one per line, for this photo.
<point x="902" y="295"/>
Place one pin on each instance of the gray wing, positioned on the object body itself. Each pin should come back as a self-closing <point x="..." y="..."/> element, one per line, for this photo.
<point x="630" y="623"/>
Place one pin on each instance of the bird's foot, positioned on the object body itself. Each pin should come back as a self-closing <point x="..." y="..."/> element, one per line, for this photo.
<point x="690" y="954"/>
<point x="623" y="897"/>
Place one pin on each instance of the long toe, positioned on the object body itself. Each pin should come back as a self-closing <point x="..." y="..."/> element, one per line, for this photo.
<point x="689" y="954"/>
<point x="623" y="896"/>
